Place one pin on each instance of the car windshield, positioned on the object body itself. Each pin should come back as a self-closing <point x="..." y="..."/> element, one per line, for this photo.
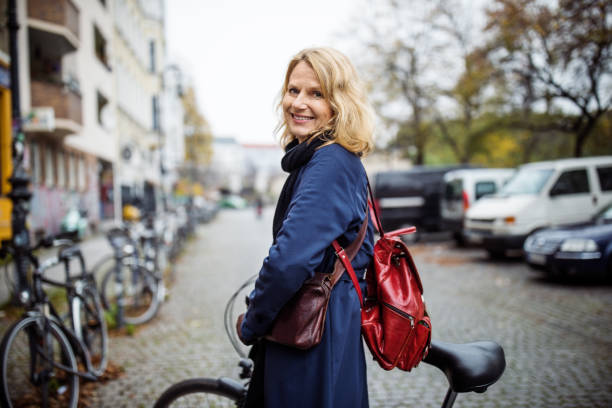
<point x="526" y="181"/>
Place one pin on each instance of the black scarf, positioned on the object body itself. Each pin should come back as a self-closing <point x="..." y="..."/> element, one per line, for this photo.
<point x="296" y="156"/>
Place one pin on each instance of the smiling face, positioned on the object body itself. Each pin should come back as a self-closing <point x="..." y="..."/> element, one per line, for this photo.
<point x="304" y="107"/>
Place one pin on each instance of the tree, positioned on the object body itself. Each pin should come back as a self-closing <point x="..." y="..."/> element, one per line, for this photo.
<point x="198" y="138"/>
<point x="559" y="55"/>
<point x="474" y="96"/>
<point x="430" y="79"/>
<point x="402" y="89"/>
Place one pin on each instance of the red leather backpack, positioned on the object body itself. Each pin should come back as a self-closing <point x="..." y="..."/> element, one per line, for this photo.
<point x="394" y="320"/>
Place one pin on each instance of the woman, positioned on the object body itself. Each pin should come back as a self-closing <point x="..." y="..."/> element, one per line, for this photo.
<point x="326" y="127"/>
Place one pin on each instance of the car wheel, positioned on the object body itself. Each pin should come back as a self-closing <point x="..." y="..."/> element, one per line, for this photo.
<point x="554" y="272"/>
<point x="496" y="253"/>
<point x="459" y="240"/>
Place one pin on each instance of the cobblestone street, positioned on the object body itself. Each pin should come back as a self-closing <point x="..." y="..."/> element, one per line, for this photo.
<point x="556" y="336"/>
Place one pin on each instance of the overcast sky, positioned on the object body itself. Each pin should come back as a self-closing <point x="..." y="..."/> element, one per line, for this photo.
<point x="236" y="53"/>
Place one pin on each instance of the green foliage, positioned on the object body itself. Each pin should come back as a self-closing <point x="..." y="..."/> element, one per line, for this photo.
<point x="111" y="317"/>
<point x="111" y="321"/>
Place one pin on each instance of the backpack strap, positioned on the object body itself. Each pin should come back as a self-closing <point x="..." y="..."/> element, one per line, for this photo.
<point x="373" y="210"/>
<point x="345" y="256"/>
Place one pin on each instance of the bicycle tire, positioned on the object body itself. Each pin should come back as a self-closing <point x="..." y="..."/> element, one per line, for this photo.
<point x="21" y="348"/>
<point x="89" y="322"/>
<point x="139" y="293"/>
<point x="99" y="271"/>
<point x="203" y="392"/>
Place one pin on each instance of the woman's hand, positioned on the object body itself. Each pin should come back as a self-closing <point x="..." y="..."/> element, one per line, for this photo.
<point x="239" y="330"/>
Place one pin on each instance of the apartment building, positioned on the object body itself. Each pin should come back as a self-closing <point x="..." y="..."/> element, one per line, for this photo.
<point x="91" y="79"/>
<point x="139" y="49"/>
<point x="67" y="101"/>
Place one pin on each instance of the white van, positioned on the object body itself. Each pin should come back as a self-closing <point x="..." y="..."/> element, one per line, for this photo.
<point x="540" y="195"/>
<point x="461" y="189"/>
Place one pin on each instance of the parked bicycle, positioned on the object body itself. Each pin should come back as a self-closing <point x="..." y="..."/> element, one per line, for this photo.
<point x="132" y="282"/>
<point x="40" y="354"/>
<point x="470" y="367"/>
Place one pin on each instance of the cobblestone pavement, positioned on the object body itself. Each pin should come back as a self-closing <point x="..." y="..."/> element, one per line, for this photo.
<point x="556" y="336"/>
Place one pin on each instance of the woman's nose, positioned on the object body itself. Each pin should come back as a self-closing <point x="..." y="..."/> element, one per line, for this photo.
<point x="299" y="101"/>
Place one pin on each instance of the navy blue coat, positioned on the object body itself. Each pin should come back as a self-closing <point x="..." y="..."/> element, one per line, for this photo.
<point x="329" y="202"/>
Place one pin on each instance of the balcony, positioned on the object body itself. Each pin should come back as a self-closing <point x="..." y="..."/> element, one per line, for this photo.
<point x="54" y="23"/>
<point x="66" y="105"/>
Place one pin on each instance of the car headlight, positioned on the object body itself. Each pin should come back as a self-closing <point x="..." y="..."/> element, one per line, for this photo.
<point x="579" y="245"/>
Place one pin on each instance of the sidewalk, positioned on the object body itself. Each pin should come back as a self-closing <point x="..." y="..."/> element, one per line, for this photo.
<point x="94" y="248"/>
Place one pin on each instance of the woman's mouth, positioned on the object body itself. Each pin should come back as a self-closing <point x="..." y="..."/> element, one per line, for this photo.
<point x="301" y="118"/>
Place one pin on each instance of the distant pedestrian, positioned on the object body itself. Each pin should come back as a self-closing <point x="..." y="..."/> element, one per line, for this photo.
<point x="326" y="129"/>
<point x="258" y="207"/>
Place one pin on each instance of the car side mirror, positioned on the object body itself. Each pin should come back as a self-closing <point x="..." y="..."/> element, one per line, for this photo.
<point x="560" y="188"/>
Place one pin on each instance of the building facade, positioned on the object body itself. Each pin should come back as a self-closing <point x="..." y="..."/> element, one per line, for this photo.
<point x="92" y="96"/>
<point x="139" y="47"/>
<point x="65" y="71"/>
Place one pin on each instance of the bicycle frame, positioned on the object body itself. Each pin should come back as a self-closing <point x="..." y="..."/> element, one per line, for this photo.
<point x="134" y="253"/>
<point x="42" y="308"/>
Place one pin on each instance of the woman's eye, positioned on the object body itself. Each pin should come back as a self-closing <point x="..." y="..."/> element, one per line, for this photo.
<point x="293" y="91"/>
<point x="317" y="94"/>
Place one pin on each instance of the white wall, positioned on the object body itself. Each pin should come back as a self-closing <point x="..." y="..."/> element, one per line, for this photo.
<point x="95" y="138"/>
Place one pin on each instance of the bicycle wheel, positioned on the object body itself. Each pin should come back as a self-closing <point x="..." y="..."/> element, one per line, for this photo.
<point x="89" y="324"/>
<point x="31" y="361"/>
<point x="203" y="392"/>
<point x="138" y="290"/>
<point x="105" y="266"/>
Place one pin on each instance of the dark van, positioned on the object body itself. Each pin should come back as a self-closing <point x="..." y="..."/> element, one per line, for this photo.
<point x="410" y="197"/>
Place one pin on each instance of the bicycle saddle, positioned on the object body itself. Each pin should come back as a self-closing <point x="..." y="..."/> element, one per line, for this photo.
<point x="468" y="367"/>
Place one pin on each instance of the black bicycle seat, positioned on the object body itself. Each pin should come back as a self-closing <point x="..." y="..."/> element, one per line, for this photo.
<point x="470" y="366"/>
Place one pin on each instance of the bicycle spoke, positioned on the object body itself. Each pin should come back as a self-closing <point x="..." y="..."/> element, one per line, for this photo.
<point x="38" y="368"/>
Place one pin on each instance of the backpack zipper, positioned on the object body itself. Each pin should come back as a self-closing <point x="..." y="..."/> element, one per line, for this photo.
<point x="401" y="313"/>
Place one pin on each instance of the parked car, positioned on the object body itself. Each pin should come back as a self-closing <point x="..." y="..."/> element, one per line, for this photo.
<point x="233" y="201"/>
<point x="461" y="189"/>
<point x="410" y="197"/>
<point x="580" y="250"/>
<point x="540" y="195"/>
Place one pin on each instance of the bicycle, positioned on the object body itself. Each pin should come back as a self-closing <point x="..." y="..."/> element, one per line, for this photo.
<point x="41" y="352"/>
<point x="131" y="281"/>
<point x="470" y="367"/>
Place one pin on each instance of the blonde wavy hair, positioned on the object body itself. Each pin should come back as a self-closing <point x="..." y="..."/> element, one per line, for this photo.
<point x="352" y="121"/>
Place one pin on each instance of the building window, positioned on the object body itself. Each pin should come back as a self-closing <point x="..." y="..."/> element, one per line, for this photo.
<point x="102" y="102"/>
<point x="152" y="56"/>
<point x="72" y="176"/>
<point x="49" y="167"/>
<point x="35" y="164"/>
<point x="155" y="107"/>
<point x="100" y="46"/>
<point x="61" y="169"/>
<point x="82" y="174"/>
